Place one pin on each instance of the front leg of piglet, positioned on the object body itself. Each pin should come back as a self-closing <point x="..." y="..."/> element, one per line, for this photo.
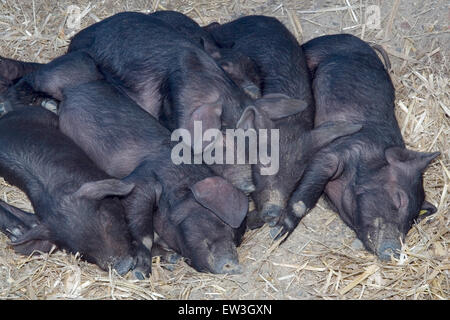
<point x="139" y="206"/>
<point x="23" y="229"/>
<point x="322" y="168"/>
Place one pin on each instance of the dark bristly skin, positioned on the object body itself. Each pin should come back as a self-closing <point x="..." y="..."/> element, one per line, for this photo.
<point x="124" y="151"/>
<point x="240" y="68"/>
<point x="168" y="76"/>
<point x="162" y="61"/>
<point x="75" y="203"/>
<point x="370" y="178"/>
<point x="171" y="78"/>
<point x="186" y="81"/>
<point x="129" y="143"/>
<point x="164" y="72"/>
<point x="283" y="72"/>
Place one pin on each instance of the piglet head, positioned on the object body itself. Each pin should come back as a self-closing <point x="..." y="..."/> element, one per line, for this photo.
<point x="290" y="120"/>
<point x="207" y="225"/>
<point x="90" y="221"/>
<point x="386" y="202"/>
<point x="104" y="237"/>
<point x="274" y="119"/>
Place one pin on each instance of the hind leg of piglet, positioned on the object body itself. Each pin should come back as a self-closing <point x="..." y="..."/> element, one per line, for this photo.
<point x="19" y="95"/>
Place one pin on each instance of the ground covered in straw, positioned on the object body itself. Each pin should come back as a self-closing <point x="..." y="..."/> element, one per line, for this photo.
<point x="322" y="259"/>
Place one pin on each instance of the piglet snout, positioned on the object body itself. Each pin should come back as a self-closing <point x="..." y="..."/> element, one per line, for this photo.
<point x="388" y="248"/>
<point x="229" y="266"/>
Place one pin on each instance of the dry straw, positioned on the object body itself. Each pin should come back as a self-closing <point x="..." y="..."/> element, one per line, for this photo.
<point x="322" y="259"/>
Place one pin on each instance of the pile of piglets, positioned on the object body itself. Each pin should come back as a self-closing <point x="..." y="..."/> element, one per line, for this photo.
<point x="88" y="138"/>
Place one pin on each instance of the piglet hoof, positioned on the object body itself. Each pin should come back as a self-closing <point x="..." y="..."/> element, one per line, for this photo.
<point x="291" y="219"/>
<point x="274" y="231"/>
<point x="252" y="91"/>
<point x="143" y="267"/>
<point x="124" y="265"/>
<point x="5" y="107"/>
<point x="254" y="221"/>
<point x="247" y="188"/>
<point x="138" y="275"/>
<point x="173" y="258"/>
<point x="271" y="213"/>
<point x="50" y="105"/>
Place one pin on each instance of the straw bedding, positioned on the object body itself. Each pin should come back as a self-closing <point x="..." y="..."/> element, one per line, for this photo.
<point x="322" y="259"/>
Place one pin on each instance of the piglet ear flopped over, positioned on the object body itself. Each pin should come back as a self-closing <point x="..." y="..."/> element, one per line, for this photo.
<point x="278" y="106"/>
<point x="206" y="117"/>
<point x="408" y="159"/>
<point x="331" y="130"/>
<point x="213" y="25"/>
<point x="100" y="189"/>
<point x="249" y="118"/>
<point x="270" y="108"/>
<point x="426" y="210"/>
<point x="219" y="196"/>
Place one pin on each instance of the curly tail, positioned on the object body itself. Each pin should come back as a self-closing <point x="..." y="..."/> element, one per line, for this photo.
<point x="380" y="49"/>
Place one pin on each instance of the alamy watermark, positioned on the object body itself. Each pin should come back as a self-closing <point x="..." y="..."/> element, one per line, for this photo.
<point x="373" y="17"/>
<point x="73" y="17"/>
<point x="239" y="146"/>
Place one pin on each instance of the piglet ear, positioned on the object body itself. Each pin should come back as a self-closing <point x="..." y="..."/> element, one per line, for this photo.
<point x="100" y="189"/>
<point x="219" y="196"/>
<point x="205" y="117"/>
<point x="278" y="106"/>
<point x="426" y="210"/>
<point x="250" y="118"/>
<point x="269" y="108"/>
<point x="213" y="25"/>
<point x="329" y="131"/>
<point x="202" y="104"/>
<point x="408" y="159"/>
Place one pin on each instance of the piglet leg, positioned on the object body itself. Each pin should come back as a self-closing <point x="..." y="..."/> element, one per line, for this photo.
<point x="49" y="80"/>
<point x="14" y="69"/>
<point x="324" y="167"/>
<point x="10" y="72"/>
<point x="139" y="206"/>
<point x="22" y="228"/>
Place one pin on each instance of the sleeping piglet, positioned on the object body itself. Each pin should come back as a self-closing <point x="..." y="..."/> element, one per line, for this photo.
<point x="371" y="179"/>
<point x="76" y="204"/>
